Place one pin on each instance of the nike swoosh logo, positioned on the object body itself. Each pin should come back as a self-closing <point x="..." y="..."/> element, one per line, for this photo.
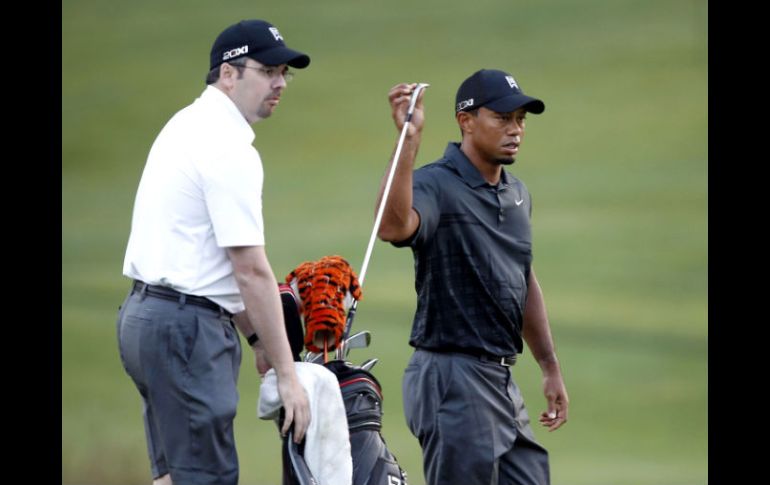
<point x="518" y="202"/>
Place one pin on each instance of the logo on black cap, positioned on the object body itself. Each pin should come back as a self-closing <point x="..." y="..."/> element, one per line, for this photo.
<point x="275" y="33"/>
<point x="238" y="51"/>
<point x="464" y="104"/>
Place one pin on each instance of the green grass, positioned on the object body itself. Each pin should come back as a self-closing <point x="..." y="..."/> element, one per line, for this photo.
<point x="617" y="166"/>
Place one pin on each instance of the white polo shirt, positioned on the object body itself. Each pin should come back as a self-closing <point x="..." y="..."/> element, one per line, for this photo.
<point x="200" y="192"/>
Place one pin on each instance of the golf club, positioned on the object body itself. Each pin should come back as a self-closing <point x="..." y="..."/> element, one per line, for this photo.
<point x="359" y="340"/>
<point x="361" y="392"/>
<point x="381" y="209"/>
<point x="369" y="363"/>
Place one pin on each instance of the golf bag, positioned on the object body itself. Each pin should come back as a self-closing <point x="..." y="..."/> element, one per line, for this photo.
<point x="373" y="463"/>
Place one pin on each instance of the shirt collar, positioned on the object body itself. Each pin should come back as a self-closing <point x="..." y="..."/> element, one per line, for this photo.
<point x="468" y="170"/>
<point x="218" y="100"/>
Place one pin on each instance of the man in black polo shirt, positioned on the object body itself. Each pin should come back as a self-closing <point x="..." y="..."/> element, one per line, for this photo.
<point x="468" y="223"/>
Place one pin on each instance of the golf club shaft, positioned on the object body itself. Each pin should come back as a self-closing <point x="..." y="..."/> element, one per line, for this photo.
<point x="389" y="182"/>
<point x="381" y="208"/>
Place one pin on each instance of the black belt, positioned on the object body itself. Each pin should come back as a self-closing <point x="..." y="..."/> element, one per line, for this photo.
<point x="505" y="361"/>
<point x="171" y="294"/>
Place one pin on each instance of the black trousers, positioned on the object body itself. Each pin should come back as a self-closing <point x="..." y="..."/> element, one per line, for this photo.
<point x="470" y="420"/>
<point x="184" y="360"/>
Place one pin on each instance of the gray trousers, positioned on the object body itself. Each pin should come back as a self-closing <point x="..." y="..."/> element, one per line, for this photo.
<point x="470" y="420"/>
<point x="184" y="361"/>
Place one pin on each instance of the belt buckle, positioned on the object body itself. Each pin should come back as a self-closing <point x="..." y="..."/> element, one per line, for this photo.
<point x="504" y="362"/>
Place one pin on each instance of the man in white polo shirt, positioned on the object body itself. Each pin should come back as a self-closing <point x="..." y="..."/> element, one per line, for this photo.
<point x="196" y="255"/>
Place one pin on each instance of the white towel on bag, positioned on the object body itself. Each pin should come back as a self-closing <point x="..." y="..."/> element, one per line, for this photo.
<point x="327" y="441"/>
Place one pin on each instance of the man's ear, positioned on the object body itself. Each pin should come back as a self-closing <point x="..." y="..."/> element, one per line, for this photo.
<point x="466" y="121"/>
<point x="227" y="74"/>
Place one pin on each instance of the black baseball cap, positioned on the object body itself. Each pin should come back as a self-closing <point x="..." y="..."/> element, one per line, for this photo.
<point x="257" y="39"/>
<point x="495" y="90"/>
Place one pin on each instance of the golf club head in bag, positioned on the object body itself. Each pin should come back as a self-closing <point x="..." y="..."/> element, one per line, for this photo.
<point x="360" y="340"/>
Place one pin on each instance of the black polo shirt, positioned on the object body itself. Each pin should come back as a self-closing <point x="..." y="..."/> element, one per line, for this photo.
<point x="473" y="253"/>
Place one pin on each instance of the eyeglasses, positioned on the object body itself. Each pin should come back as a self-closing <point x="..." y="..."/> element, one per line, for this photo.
<point x="273" y="72"/>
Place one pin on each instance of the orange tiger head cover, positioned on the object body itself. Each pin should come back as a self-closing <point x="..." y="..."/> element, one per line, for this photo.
<point x="327" y="287"/>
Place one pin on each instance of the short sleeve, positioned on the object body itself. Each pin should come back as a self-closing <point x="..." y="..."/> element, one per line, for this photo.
<point x="425" y="200"/>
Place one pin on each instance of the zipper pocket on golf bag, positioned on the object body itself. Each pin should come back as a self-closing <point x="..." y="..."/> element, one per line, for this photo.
<point x="363" y="404"/>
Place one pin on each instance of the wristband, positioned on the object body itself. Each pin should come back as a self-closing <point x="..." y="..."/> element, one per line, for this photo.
<point x="252" y="339"/>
